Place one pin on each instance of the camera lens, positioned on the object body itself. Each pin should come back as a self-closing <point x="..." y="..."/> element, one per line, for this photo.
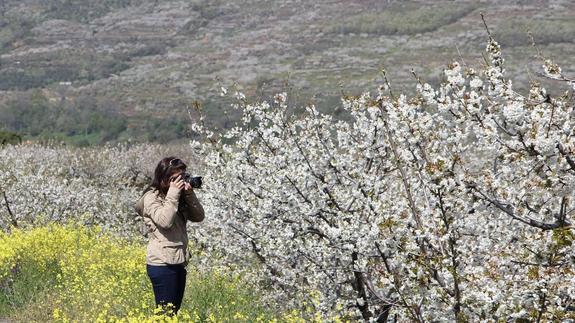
<point x="196" y="182"/>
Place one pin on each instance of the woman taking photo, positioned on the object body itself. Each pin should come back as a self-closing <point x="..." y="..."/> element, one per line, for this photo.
<point x="166" y="206"/>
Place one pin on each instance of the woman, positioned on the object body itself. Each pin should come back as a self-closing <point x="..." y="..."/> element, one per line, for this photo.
<point x="166" y="206"/>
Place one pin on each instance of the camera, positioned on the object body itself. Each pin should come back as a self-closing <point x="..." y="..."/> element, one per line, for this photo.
<point x="194" y="181"/>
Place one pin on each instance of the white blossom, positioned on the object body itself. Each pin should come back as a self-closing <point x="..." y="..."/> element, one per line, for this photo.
<point x="514" y="112"/>
<point x="476" y="83"/>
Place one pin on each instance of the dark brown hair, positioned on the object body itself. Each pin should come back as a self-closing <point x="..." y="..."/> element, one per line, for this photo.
<point x="165" y="168"/>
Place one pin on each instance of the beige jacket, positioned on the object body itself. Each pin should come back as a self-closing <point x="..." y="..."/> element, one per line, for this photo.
<point x="166" y="223"/>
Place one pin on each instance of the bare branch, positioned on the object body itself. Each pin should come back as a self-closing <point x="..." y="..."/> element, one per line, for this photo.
<point x="566" y="155"/>
<point x="359" y="286"/>
<point x="525" y="263"/>
<point x="13" y="220"/>
<point x="542" y="304"/>
<point x="560" y="78"/>
<point x="508" y="209"/>
<point x="485" y="24"/>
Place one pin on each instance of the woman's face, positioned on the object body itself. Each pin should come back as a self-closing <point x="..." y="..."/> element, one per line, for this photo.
<point x="175" y="174"/>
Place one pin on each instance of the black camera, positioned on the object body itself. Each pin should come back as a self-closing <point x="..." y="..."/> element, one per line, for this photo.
<point x="194" y="181"/>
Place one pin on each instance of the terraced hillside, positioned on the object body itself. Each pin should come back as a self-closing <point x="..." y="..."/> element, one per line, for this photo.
<point x="113" y="69"/>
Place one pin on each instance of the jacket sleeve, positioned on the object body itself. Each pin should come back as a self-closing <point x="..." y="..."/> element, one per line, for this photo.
<point x="194" y="211"/>
<point x="163" y="213"/>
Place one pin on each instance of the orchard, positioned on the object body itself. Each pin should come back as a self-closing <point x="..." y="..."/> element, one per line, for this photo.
<point x="454" y="204"/>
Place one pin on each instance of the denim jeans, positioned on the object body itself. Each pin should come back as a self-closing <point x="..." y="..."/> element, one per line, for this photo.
<point x="169" y="283"/>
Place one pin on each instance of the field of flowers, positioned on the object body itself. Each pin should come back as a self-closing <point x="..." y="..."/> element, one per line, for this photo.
<point x="452" y="205"/>
<point x="74" y="273"/>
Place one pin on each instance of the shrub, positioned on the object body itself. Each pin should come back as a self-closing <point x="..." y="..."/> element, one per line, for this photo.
<point x="7" y="137"/>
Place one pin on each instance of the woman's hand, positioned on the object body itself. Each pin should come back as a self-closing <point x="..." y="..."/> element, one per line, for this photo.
<point x="187" y="186"/>
<point x="178" y="183"/>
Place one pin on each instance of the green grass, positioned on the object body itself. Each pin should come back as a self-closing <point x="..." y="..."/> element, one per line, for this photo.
<point x="514" y="32"/>
<point x="80" y="140"/>
<point x="208" y="293"/>
<point x="403" y="19"/>
<point x="26" y="285"/>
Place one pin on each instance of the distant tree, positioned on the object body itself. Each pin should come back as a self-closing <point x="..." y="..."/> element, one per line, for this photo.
<point x="7" y="137"/>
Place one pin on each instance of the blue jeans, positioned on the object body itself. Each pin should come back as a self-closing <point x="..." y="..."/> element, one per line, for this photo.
<point x="169" y="283"/>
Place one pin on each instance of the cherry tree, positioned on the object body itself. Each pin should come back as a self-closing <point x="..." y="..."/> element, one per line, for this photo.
<point x="451" y="205"/>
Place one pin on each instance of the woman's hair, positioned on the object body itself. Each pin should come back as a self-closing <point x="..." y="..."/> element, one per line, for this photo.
<point x="165" y="168"/>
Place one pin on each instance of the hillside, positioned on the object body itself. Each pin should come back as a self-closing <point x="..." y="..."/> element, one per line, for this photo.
<point x="114" y="69"/>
